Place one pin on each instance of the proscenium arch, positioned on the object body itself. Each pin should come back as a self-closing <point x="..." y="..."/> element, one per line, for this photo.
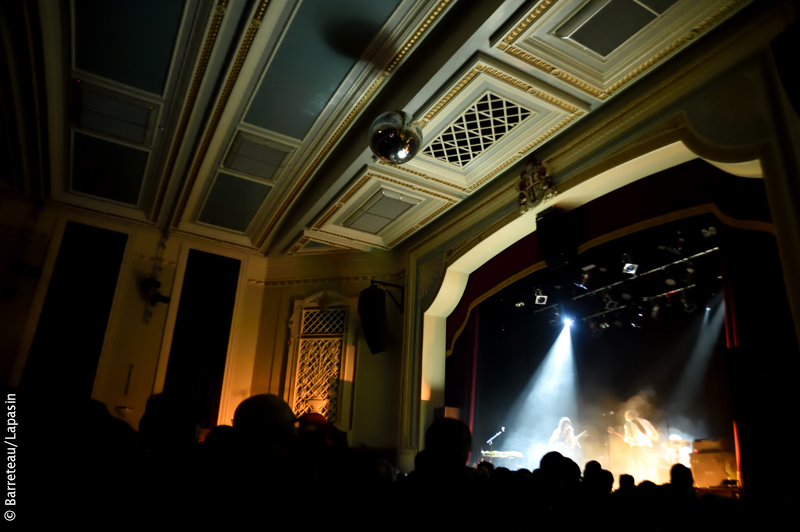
<point x="434" y="348"/>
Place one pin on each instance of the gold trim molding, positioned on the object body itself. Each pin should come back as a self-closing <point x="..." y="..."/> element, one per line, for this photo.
<point x="361" y="182"/>
<point x="502" y="76"/>
<point x="550" y="69"/>
<point x="236" y="68"/>
<point x="705" y="25"/>
<point x="350" y="279"/>
<point x="521" y="153"/>
<point x="417" y="34"/>
<point x="434" y="14"/>
<point x="424" y="176"/>
<point x="527" y="21"/>
<point x="188" y="107"/>
<point x="451" y="94"/>
<point x="304" y="240"/>
<point x="506" y="46"/>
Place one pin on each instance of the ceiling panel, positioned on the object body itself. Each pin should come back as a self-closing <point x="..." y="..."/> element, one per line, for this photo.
<point x="322" y="44"/>
<point x="106" y="169"/>
<point x="137" y="52"/>
<point x="232" y="202"/>
<point x="112" y="113"/>
<point x="256" y="156"/>
<point x="612" y="25"/>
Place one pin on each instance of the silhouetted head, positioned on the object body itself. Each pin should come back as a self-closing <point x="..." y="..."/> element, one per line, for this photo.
<point x="552" y="462"/>
<point x="449" y="441"/>
<point x="266" y="419"/>
<point x="564" y="424"/>
<point x="592" y="467"/>
<point x="680" y="476"/>
<point x="169" y="422"/>
<point x="606" y="480"/>
<point x="626" y="482"/>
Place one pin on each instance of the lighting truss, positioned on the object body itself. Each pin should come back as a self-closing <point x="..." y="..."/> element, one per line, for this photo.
<point x="654" y="270"/>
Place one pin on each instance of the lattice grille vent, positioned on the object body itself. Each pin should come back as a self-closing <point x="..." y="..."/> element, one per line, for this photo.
<point x="318" y="377"/>
<point x="320" y="322"/>
<point x="479" y="127"/>
<point x="319" y="362"/>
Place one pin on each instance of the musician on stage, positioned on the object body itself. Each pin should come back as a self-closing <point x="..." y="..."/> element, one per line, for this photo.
<point x="563" y="439"/>
<point x="640" y="435"/>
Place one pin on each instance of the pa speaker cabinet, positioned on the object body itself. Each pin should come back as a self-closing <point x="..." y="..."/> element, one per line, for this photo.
<point x="555" y="231"/>
<point x="710" y="468"/>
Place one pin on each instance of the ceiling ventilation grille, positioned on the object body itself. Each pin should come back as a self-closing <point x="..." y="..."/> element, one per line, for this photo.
<point x="380" y="210"/>
<point x="256" y="156"/>
<point x="476" y="130"/>
<point x="112" y="113"/>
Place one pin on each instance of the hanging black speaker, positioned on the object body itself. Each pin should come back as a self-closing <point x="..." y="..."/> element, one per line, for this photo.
<point x="372" y="312"/>
<point x="557" y="241"/>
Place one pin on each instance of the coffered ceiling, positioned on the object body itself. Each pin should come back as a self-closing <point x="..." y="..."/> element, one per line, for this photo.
<point x="245" y="121"/>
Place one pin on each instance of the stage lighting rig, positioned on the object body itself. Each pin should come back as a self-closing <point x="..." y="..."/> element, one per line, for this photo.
<point x="711" y="231"/>
<point x="519" y="304"/>
<point x="609" y="303"/>
<point x="541" y="299"/>
<point x="584" y="281"/>
<point x="628" y="265"/>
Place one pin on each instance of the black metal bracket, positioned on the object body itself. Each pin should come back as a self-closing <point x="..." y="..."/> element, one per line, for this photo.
<point x="384" y="286"/>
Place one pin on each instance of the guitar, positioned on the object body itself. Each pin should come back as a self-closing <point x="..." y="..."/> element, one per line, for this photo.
<point x="642" y="439"/>
<point x="572" y="443"/>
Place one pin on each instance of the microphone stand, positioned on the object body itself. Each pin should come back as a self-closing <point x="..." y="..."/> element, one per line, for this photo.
<point x="489" y="441"/>
<point x="608" y="442"/>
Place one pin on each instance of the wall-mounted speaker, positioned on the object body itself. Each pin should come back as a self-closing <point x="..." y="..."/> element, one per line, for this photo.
<point x="555" y="231"/>
<point x="372" y="312"/>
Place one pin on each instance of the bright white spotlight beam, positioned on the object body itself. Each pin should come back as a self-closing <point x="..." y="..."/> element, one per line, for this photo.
<point x="567" y="322"/>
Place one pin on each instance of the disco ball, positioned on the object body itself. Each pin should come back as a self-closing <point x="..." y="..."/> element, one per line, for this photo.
<point x="394" y="138"/>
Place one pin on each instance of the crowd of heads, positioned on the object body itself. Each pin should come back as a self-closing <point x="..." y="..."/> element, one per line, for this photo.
<point x="274" y="467"/>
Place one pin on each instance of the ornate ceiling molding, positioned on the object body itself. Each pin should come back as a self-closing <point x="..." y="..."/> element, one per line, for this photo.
<point x="370" y="181"/>
<point x="233" y="75"/>
<point x="366" y="97"/>
<point x="482" y="74"/>
<point x="434" y="14"/>
<point x="550" y="69"/>
<point x="316" y="280"/>
<point x="512" y="35"/>
<point x="188" y="107"/>
<point x="295" y="250"/>
<point x="506" y="44"/>
<point x="424" y="176"/>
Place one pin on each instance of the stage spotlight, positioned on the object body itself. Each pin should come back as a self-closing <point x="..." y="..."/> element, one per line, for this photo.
<point x="519" y="304"/>
<point x="541" y="299"/>
<point x="628" y="267"/>
<point x="567" y="322"/>
<point x="635" y="324"/>
<point x="711" y="231"/>
<point x="584" y="281"/>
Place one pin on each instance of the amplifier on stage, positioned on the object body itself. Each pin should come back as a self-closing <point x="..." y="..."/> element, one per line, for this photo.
<point x="709" y="446"/>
